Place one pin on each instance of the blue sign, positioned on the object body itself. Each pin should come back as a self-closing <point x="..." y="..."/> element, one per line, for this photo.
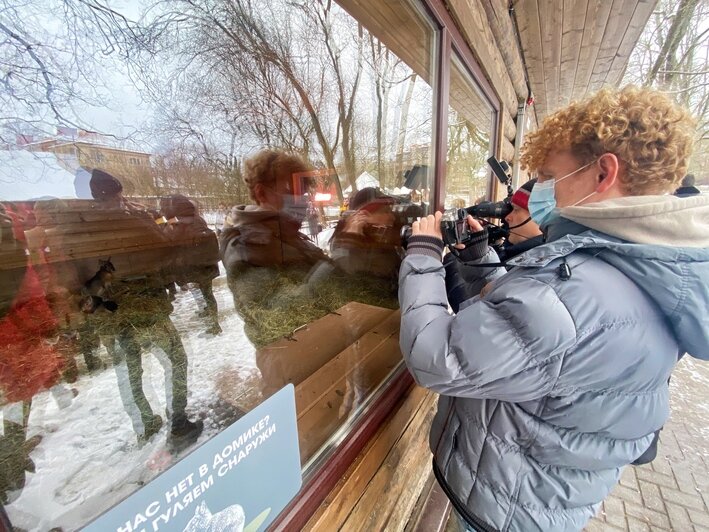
<point x="238" y="481"/>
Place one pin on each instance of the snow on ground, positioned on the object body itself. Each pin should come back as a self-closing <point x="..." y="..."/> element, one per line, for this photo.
<point x="89" y="458"/>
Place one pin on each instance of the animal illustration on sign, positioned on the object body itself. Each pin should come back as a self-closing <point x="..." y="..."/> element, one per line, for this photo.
<point x="230" y="519"/>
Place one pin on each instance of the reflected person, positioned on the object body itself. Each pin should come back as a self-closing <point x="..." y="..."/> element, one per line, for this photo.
<point x="29" y="363"/>
<point x="279" y="278"/>
<point x="267" y="257"/>
<point x="271" y="264"/>
<point x="197" y="253"/>
<point x="142" y="317"/>
<point x="366" y="238"/>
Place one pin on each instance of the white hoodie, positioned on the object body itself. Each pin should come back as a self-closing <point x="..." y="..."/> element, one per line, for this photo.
<point x="658" y="220"/>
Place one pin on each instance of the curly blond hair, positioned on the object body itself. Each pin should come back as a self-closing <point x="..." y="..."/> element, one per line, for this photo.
<point x="650" y="135"/>
<point x="270" y="167"/>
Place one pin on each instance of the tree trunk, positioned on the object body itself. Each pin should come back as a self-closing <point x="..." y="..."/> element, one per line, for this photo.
<point x="401" y="142"/>
<point x="666" y="57"/>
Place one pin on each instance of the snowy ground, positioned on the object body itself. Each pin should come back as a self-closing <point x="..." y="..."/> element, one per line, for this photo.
<point x="89" y="458"/>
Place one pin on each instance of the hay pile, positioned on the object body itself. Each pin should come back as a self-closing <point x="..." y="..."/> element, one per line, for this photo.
<point x="273" y="302"/>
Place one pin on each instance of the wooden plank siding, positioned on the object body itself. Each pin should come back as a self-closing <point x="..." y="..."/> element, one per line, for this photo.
<point x="641" y="15"/>
<point x="551" y="15"/>
<point x="612" y="37"/>
<point x="380" y="489"/>
<point x="597" y="13"/>
<point x="473" y="24"/>
<point x="569" y="47"/>
<point x="507" y="152"/>
<point x="571" y="38"/>
<point x="498" y="17"/>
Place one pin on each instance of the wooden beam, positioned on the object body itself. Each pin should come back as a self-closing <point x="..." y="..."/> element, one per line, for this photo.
<point x="507" y="152"/>
<point x="318" y="342"/>
<point x="550" y="18"/>
<point x="527" y="17"/>
<point x="433" y="509"/>
<point x="318" y="483"/>
<point x="510" y="129"/>
<point x="642" y="14"/>
<point x="498" y="17"/>
<point x="620" y="15"/>
<point x="365" y="371"/>
<point x="336" y="507"/>
<point x="394" y="489"/>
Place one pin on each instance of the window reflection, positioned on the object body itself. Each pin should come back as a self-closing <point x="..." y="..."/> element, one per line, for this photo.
<point x="470" y="122"/>
<point x="214" y="216"/>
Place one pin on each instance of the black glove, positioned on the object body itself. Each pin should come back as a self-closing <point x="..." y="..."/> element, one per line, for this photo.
<point x="476" y="248"/>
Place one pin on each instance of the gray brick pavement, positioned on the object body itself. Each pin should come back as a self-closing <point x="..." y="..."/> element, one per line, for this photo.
<point x="671" y="493"/>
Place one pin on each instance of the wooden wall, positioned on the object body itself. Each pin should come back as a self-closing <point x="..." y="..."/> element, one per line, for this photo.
<point x="381" y="488"/>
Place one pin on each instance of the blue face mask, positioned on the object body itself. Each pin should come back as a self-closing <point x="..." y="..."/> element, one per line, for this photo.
<point x="542" y="201"/>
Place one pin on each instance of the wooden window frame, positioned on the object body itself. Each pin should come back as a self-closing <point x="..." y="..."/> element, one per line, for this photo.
<point x="450" y="41"/>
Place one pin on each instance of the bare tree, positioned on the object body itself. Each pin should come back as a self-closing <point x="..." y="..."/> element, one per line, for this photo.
<point x="46" y="76"/>
<point x="383" y="64"/>
<point x="233" y="40"/>
<point x="672" y="55"/>
<point x="320" y="12"/>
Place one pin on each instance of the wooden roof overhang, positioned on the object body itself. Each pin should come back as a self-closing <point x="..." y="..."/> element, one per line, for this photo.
<point x="561" y="50"/>
<point x="572" y="48"/>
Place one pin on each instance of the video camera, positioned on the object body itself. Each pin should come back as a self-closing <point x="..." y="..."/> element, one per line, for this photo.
<point x="497" y="209"/>
<point x="458" y="231"/>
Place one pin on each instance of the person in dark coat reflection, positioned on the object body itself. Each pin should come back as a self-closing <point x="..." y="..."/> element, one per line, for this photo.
<point x="142" y="317"/>
<point x="197" y="253"/>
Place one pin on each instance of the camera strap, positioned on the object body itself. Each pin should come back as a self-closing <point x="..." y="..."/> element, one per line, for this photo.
<point x="486" y="265"/>
<point x="509" y="228"/>
<point x="456" y="254"/>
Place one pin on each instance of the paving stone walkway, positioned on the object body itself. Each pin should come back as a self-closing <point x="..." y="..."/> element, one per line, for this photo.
<point x="671" y="493"/>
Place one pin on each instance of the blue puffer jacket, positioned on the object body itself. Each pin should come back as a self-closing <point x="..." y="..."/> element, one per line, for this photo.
<point x="550" y="386"/>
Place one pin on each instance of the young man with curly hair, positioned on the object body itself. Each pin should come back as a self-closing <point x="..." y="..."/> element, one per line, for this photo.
<point x="554" y="378"/>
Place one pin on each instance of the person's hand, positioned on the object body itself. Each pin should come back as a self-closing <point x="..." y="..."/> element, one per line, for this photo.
<point x="356" y="223"/>
<point x="428" y="226"/>
<point x="475" y="227"/>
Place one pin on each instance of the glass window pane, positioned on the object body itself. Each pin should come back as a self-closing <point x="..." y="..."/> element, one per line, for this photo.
<point x="470" y="130"/>
<point x="201" y="204"/>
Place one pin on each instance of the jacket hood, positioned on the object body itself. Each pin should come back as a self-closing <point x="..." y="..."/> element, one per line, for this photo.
<point x="655" y="220"/>
<point x="253" y="214"/>
<point x="660" y="242"/>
